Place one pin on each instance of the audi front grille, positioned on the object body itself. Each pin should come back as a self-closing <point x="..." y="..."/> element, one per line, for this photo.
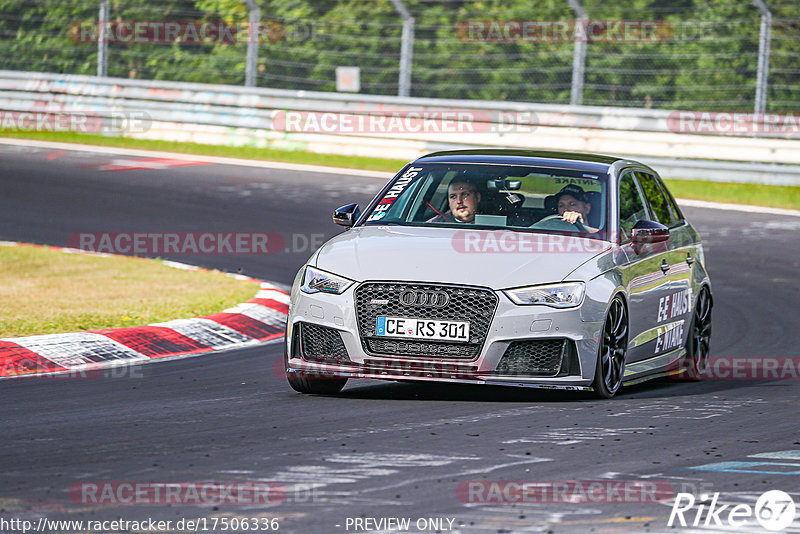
<point x="432" y="301"/>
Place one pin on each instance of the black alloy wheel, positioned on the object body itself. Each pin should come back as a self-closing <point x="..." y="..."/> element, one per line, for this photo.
<point x="698" y="342"/>
<point x="613" y="346"/>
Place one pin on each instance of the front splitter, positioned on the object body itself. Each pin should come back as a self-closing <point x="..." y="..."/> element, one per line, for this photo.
<point x="326" y="371"/>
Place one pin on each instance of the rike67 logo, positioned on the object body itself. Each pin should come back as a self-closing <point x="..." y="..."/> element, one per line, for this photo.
<point x="774" y="511"/>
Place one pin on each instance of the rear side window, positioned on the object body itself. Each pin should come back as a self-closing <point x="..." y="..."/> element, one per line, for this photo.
<point x="656" y="199"/>
<point x="631" y="207"/>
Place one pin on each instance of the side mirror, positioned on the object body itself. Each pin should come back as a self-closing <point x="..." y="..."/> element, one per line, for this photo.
<point x="649" y="236"/>
<point x="346" y="215"/>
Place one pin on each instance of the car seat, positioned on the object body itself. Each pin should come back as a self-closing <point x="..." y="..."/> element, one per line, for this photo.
<point x="550" y="204"/>
<point x="593" y="197"/>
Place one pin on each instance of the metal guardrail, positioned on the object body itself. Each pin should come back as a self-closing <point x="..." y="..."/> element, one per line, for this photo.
<point x="235" y="115"/>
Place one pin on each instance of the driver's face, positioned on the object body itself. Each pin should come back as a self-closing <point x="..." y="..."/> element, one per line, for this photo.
<point x="570" y="203"/>
<point x="463" y="199"/>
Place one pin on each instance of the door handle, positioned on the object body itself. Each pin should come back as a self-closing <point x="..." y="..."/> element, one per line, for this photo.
<point x="664" y="266"/>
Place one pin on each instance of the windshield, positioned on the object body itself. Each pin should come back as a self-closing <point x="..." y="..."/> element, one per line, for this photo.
<point x="487" y="196"/>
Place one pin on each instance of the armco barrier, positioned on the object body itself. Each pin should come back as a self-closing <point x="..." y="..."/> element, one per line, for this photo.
<point x="240" y="116"/>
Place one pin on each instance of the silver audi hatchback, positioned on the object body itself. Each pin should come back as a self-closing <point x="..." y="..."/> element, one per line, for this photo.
<point x="505" y="267"/>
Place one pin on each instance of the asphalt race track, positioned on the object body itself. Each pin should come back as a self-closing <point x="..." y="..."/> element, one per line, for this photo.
<point x="382" y="450"/>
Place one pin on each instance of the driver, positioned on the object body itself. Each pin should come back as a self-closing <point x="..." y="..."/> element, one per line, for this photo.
<point x="463" y="198"/>
<point x="574" y="206"/>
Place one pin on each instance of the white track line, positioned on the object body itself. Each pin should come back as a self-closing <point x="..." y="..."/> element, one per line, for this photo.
<point x="194" y="157"/>
<point x="328" y="170"/>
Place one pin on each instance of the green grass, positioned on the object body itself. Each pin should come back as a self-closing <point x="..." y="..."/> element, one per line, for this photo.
<point x="46" y="291"/>
<point x="774" y="196"/>
<point x="735" y="193"/>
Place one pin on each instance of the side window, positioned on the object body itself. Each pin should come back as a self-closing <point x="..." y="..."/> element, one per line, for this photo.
<point x="656" y="199"/>
<point x="671" y="200"/>
<point x="631" y="207"/>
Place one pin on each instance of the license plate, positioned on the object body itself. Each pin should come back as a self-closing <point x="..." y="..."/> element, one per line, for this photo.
<point x="422" y="328"/>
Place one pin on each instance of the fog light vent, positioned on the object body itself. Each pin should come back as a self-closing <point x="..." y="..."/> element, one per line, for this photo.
<point x="535" y="357"/>
<point x="319" y="343"/>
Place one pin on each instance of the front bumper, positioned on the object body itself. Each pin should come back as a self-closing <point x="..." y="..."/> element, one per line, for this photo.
<point x="510" y="323"/>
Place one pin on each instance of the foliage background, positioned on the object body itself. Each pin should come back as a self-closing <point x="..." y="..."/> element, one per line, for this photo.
<point x="709" y="62"/>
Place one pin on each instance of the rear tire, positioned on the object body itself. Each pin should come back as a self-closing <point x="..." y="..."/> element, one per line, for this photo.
<point x="611" y="354"/>
<point x="698" y="341"/>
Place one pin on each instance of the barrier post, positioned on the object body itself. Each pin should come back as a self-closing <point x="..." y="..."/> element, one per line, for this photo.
<point x="406" y="49"/>
<point x="102" y="40"/>
<point x="578" y="55"/>
<point x="764" y="37"/>
<point x="254" y="19"/>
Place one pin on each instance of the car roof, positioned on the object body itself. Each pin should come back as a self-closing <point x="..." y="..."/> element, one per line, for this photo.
<point x="572" y="160"/>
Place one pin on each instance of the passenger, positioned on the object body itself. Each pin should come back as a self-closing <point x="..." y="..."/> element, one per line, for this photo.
<point x="463" y="198"/>
<point x="573" y="206"/>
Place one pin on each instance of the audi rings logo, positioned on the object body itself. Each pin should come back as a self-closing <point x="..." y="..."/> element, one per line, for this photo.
<point x="437" y="299"/>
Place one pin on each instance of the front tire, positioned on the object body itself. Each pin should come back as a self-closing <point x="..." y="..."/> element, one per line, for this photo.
<point x="303" y="383"/>
<point x="317" y="386"/>
<point x="613" y="347"/>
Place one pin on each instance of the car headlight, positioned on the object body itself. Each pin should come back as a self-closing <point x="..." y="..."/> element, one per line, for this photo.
<point x="566" y="295"/>
<point x="317" y="281"/>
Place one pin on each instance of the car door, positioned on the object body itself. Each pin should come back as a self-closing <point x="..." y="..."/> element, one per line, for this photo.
<point x="675" y="297"/>
<point x="642" y="276"/>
